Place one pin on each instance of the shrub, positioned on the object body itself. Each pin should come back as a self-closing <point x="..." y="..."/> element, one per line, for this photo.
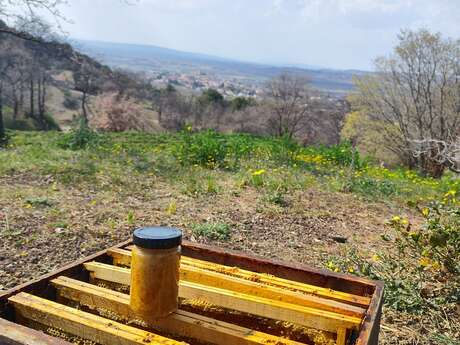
<point x="284" y="151"/>
<point x="368" y="186"/>
<point x="19" y="124"/>
<point x="277" y="197"/>
<point x="207" y="149"/>
<point x="212" y="231"/>
<point x="117" y="113"/>
<point x="51" y="123"/>
<point x="438" y="242"/>
<point x="240" y="103"/>
<point x="422" y="275"/>
<point x="80" y="138"/>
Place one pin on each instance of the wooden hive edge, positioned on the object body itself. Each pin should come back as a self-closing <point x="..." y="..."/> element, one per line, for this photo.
<point x="14" y="334"/>
<point x="181" y="323"/>
<point x="367" y="335"/>
<point x="83" y="324"/>
<point x="273" y="309"/>
<point x="190" y="266"/>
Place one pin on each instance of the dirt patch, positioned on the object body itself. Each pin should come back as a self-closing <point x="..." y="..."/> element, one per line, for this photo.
<point x="44" y="225"/>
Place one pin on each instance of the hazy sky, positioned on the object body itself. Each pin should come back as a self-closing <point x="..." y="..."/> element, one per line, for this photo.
<point x="329" y="33"/>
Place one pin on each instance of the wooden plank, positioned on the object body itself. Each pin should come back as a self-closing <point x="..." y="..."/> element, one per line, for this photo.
<point x="369" y="332"/>
<point x="287" y="270"/>
<point x="254" y="288"/>
<point x="182" y="323"/>
<point x="221" y="280"/>
<point x="306" y="316"/>
<point x="14" y="334"/>
<point x="123" y="257"/>
<point x="85" y="325"/>
<point x="110" y="273"/>
<point x="341" y="336"/>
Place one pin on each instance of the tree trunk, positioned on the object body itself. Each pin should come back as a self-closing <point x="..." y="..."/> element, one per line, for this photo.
<point x="41" y="92"/>
<point x="83" y="108"/>
<point x="32" y="110"/>
<point x="433" y="169"/>
<point x="39" y="118"/>
<point x="3" y="138"/>
<point x="21" y="98"/>
<point x="15" y="108"/>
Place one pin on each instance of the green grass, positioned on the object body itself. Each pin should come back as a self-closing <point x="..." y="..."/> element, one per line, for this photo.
<point x="39" y="202"/>
<point x="212" y="231"/>
<point x="200" y="162"/>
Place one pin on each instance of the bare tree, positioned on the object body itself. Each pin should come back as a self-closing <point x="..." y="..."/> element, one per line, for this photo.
<point x="290" y="112"/>
<point x="3" y="138"/>
<point x="87" y="82"/>
<point x="117" y="112"/>
<point x="20" y="18"/>
<point x="6" y="63"/>
<point x="415" y="97"/>
<point x="164" y="100"/>
<point x="173" y="108"/>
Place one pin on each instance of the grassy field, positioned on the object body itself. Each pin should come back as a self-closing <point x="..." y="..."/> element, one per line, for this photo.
<point x="66" y="195"/>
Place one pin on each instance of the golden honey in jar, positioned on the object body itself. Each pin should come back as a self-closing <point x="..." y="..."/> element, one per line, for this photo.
<point x="155" y="272"/>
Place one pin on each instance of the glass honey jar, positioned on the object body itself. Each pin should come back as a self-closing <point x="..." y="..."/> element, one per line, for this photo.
<point x="155" y="268"/>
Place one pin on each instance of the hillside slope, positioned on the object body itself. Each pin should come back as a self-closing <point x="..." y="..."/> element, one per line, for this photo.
<point x="66" y="71"/>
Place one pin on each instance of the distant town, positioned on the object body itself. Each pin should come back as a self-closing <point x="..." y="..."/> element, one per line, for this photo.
<point x="195" y="72"/>
<point x="199" y="81"/>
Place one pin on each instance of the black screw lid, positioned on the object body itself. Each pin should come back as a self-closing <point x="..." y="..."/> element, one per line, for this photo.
<point x="157" y="237"/>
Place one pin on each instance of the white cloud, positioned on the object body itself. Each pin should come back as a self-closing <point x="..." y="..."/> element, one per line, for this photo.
<point x="178" y="5"/>
<point x="328" y="8"/>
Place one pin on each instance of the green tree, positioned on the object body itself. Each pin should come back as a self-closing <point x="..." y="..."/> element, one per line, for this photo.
<point x="211" y="97"/>
<point x="241" y="103"/>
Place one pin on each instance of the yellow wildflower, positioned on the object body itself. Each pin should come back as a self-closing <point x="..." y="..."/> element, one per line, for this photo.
<point x="424" y="262"/>
<point x="172" y="208"/>
<point x="436" y="266"/>
<point x="258" y="172"/>
<point x="396" y="219"/>
<point x="450" y="193"/>
<point x="425" y="211"/>
<point x="375" y="258"/>
<point x="330" y="265"/>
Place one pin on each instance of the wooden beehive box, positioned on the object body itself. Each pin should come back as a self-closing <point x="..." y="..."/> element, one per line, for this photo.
<point x="226" y="298"/>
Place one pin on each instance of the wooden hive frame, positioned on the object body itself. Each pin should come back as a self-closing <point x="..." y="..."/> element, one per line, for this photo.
<point x="348" y="307"/>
